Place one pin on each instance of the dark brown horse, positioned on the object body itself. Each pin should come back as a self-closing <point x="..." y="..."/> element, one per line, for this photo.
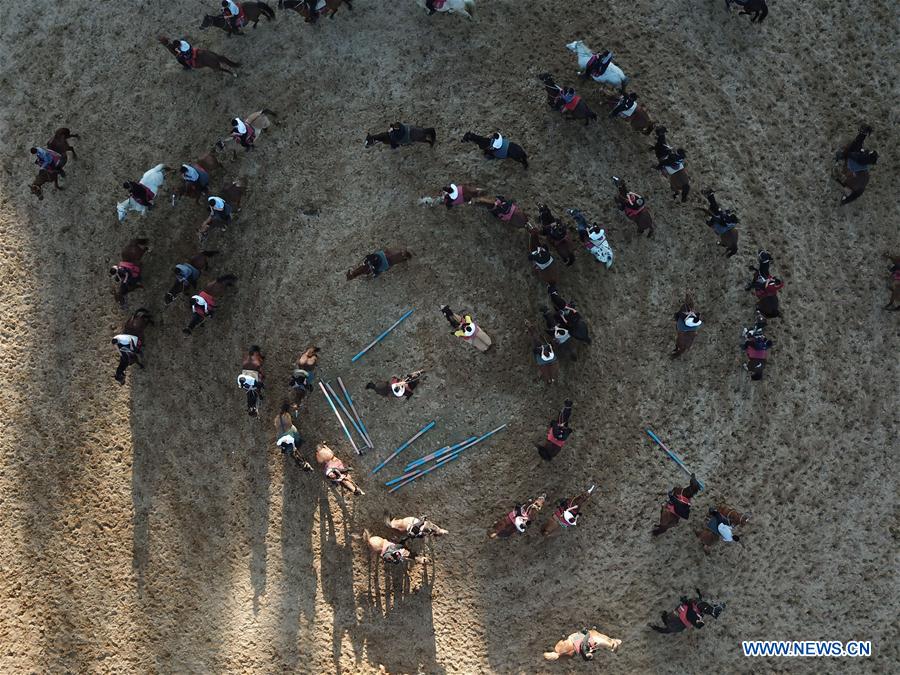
<point x="188" y="274"/>
<point x="59" y="144"/>
<point x="231" y="193"/>
<point x="505" y="210"/>
<point x="687" y="323"/>
<point x="544" y="355"/>
<point x="672" y="165"/>
<point x="403" y="134"/>
<point x="204" y="166"/>
<point x="203" y="305"/>
<point x="379" y="262"/>
<point x="566" y="513"/>
<point x="302" y="375"/>
<point x="251" y="379"/>
<point x="626" y="107"/>
<point x="327" y="8"/>
<point x="894" y="283"/>
<point x="498" y="147"/>
<point x="723" y="222"/>
<point x="689" y="613"/>
<point x="518" y="519"/>
<point x="556" y="233"/>
<point x="127" y="274"/>
<point x="677" y="507"/>
<point x="43" y="177"/>
<point x="853" y="164"/>
<point x="130" y="342"/>
<point x="252" y="11"/>
<point x="634" y="206"/>
<point x="202" y="58"/>
<point x="757" y="10"/>
<point x="724" y="514"/>
<point x="566" y="101"/>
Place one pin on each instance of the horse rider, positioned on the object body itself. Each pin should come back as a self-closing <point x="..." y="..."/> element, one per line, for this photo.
<point x="453" y="195"/>
<point x="130" y="345"/>
<point x="397" y="387"/>
<point x="559" y="334"/>
<point x="758" y="282"/>
<point x="243" y="133"/>
<point x="289" y="443"/>
<point x="233" y="13"/>
<point x="689" y="613"/>
<point x="126" y="273"/>
<point x="721" y="526"/>
<point x="140" y="193"/>
<point x="625" y="106"/>
<point x="398" y="133"/>
<point x="393" y="553"/>
<point x="301" y="379"/>
<point x="251" y="380"/>
<point x="673" y="162"/>
<point x="499" y="145"/>
<point x="464" y="327"/>
<point x="519" y="518"/>
<point x="433" y="6"/>
<point x="376" y="263"/>
<point x="566" y="513"/>
<point x="568" y="316"/>
<point x="184" y="53"/>
<point x="219" y="211"/>
<point x="757" y="346"/>
<point x="503" y="208"/>
<point x="593" y="237"/>
<point x="858" y="159"/>
<point x="720" y="220"/>
<point x="417" y="529"/>
<point x="557" y="433"/>
<point x="597" y="64"/>
<point x="48" y="160"/>
<point x="191" y="173"/>
<point x="687" y="321"/>
<point x="679" y="505"/>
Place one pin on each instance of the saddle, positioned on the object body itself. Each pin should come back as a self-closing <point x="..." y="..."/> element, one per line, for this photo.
<point x="679" y="505"/>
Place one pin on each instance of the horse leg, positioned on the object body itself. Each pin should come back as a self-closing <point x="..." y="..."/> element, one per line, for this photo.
<point x="853" y="196"/>
<point x="666" y="522"/>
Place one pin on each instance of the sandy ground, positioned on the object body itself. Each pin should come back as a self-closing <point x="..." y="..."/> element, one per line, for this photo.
<point x="156" y="528"/>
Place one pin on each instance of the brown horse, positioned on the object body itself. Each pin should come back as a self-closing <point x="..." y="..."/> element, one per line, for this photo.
<point x="543" y="354"/>
<point x="60" y="143"/>
<point x="730" y="517"/>
<point x="687" y="323"/>
<point x="625" y="106"/>
<point x="542" y="262"/>
<point x="689" y="614"/>
<point x="43" y="177"/>
<point x="204" y="166"/>
<point x="671" y="164"/>
<point x="379" y="262"/>
<point x="287" y="438"/>
<point x="634" y="206"/>
<point x="852" y="165"/>
<point x="677" y="507"/>
<point x="335" y="470"/>
<point x="388" y="551"/>
<point x="188" y="274"/>
<point x="302" y="375"/>
<point x="130" y="342"/>
<point x="556" y="232"/>
<point x="251" y="379"/>
<point x="504" y="210"/>
<point x="202" y="58"/>
<point x="518" y="519"/>
<point x="415" y="528"/>
<point x="566" y="102"/>
<point x="203" y="305"/>
<point x="584" y="643"/>
<point x="127" y="274"/>
<point x="894" y="283"/>
<point x="252" y="11"/>
<point x="566" y="513"/>
<point x="231" y="193"/>
<point x="323" y="7"/>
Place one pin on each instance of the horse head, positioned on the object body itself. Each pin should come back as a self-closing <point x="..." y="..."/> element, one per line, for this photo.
<point x="369" y="141"/>
<point x="711" y="609"/>
<point x="122" y="209"/>
<point x="208" y="21"/>
<point x="38" y="190"/>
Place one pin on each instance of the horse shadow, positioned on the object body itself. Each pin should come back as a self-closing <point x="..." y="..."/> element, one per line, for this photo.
<point x="258" y="521"/>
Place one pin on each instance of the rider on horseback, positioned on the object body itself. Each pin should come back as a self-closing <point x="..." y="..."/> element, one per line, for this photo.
<point x="557" y="433"/>
<point x="597" y="64"/>
<point x="191" y="173"/>
<point x="234" y="14"/>
<point x="184" y="53"/>
<point x="243" y="133"/>
<point x="48" y="160"/>
<point x="219" y="211"/>
<point x="721" y="526"/>
<point x="673" y="161"/>
<point x="311" y="12"/>
<point x="140" y="193"/>
<point x="720" y="220"/>
<point x="761" y="274"/>
<point x="625" y="106"/>
<point x="398" y="387"/>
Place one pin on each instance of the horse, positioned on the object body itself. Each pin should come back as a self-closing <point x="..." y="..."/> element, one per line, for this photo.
<point x="894" y="283"/>
<point x="464" y="7"/>
<point x="568" y="316"/>
<point x="518" y="519"/>
<point x="190" y="189"/>
<point x="130" y="342"/>
<point x="544" y="355"/>
<point x="634" y="206"/>
<point x="689" y="613"/>
<point x="59" y="143"/>
<point x="671" y="164"/>
<point x="574" y="107"/>
<point x="302" y="375"/>
<point x="251" y="379"/>
<point x="757" y="347"/>
<point x="231" y="193"/>
<point x="556" y="232"/>
<point x="558" y="433"/>
<point x="203" y="58"/>
<point x="503" y="209"/>
<point x="403" y="134"/>
<point x="677" y="507"/>
<point x="566" y="513"/>
<point x="852" y="165"/>
<point x="584" y="643"/>
<point x="687" y="323"/>
<point x="252" y="12"/>
<point x="335" y="470"/>
<point x="612" y="76"/>
<point x="507" y="149"/>
<point x="259" y="120"/>
<point x="757" y="10"/>
<point x="323" y="7"/>
<point x="415" y="528"/>
<point x="454" y="194"/>
<point x="287" y="438"/>
<point x="43" y="177"/>
<point x="203" y="304"/>
<point x="542" y="262"/>
<point x="188" y="274"/>
<point x="732" y="518"/>
<point x="152" y="180"/>
<point x="723" y="222"/>
<point x="388" y="551"/>
<point x="127" y="274"/>
<point x="379" y="262"/>
<point x="626" y="107"/>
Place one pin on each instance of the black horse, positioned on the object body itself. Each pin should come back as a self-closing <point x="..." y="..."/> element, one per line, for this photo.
<point x="253" y="11"/>
<point x="693" y="612"/>
<point x="566" y="101"/>
<point x="403" y="134"/>
<point x="758" y="10"/>
<point x="507" y="150"/>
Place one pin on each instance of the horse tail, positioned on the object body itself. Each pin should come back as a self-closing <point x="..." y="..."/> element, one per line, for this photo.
<point x="265" y="9"/>
<point x="209" y="254"/>
<point x="266" y="111"/>
<point x="764" y="14"/>
<point x="470" y="7"/>
<point x="229" y="62"/>
<point x="227" y="279"/>
<point x="551" y="656"/>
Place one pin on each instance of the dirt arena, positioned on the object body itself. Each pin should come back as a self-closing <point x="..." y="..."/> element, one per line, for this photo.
<point x="156" y="528"/>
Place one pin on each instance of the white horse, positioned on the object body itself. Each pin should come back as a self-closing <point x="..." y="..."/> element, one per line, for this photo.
<point x="464" y="7"/>
<point x="613" y="76"/>
<point x="153" y="179"/>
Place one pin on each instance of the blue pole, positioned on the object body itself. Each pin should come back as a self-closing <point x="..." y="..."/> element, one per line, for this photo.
<point x="355" y="413"/>
<point x="338" y="415"/>
<point x="675" y="457"/>
<point x="447" y="449"/>
<point x="403" y="447"/>
<point x="382" y="336"/>
<point x="346" y="412"/>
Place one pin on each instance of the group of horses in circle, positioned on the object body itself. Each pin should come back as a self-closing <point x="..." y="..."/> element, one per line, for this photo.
<point x="552" y="246"/>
